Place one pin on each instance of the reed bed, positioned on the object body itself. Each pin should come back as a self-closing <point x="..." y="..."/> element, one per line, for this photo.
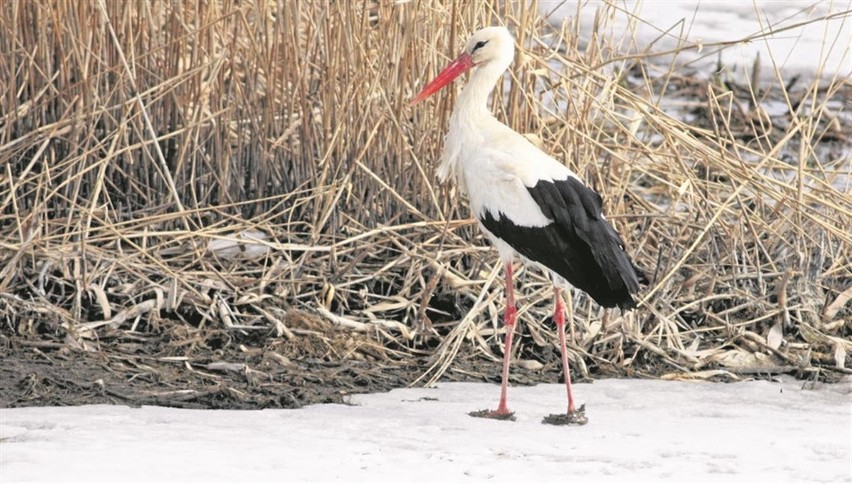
<point x="254" y="167"/>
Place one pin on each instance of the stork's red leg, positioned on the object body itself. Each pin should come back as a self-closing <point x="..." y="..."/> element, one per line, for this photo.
<point x="503" y="412"/>
<point x="559" y="317"/>
<point x="509" y="320"/>
<point x="573" y="416"/>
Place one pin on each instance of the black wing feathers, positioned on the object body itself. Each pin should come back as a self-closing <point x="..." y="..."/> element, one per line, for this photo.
<point x="578" y="209"/>
<point x="580" y="245"/>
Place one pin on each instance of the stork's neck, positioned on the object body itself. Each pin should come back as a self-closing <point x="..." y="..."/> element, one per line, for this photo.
<point x="469" y="120"/>
<point x="473" y="100"/>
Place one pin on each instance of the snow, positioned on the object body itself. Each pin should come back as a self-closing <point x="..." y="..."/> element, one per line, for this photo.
<point x="797" y="49"/>
<point x="639" y="430"/>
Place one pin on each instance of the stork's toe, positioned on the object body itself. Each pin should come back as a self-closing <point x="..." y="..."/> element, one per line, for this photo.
<point x="576" y="417"/>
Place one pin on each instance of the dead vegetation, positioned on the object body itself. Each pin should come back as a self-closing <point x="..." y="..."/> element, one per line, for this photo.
<point x="174" y="173"/>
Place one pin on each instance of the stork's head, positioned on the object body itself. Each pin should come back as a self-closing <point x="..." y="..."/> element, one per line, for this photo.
<point x="491" y="46"/>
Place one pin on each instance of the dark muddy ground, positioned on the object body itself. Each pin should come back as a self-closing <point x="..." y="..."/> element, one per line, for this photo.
<point x="194" y="367"/>
<point x="42" y="376"/>
<point x="216" y="370"/>
<point x="180" y="365"/>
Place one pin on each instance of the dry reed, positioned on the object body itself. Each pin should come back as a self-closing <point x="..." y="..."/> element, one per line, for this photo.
<point x="240" y="164"/>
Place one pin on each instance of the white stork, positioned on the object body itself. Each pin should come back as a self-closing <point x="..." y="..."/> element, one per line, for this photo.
<point x="527" y="203"/>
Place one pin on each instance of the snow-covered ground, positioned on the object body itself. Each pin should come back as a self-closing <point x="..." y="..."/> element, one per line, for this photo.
<point x="796" y="46"/>
<point x="639" y="430"/>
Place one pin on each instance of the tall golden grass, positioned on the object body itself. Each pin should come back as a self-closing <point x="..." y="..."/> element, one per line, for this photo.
<point x="238" y="164"/>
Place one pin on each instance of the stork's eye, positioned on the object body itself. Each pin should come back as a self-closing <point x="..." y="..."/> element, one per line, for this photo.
<point x="479" y="45"/>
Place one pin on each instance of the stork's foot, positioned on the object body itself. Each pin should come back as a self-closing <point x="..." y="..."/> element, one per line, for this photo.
<point x="577" y="417"/>
<point x="494" y="414"/>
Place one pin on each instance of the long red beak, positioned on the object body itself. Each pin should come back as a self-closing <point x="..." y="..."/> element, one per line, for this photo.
<point x="452" y="71"/>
